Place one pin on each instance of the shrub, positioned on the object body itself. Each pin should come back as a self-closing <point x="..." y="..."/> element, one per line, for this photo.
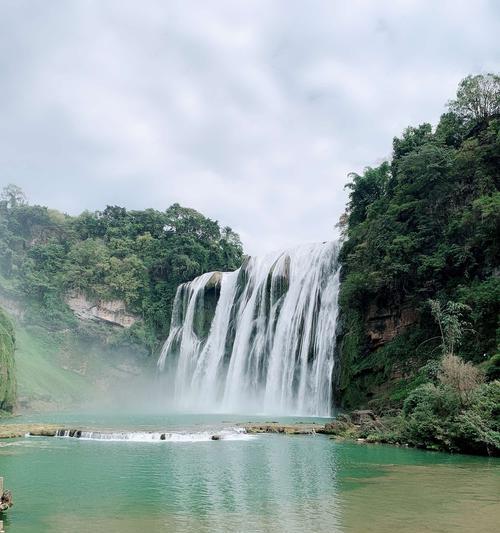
<point x="462" y="377"/>
<point x="426" y="413"/>
<point x="478" y="426"/>
<point x="492" y="368"/>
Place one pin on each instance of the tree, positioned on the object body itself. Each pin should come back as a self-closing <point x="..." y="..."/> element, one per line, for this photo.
<point x="452" y="326"/>
<point x="478" y="97"/>
<point x="411" y="139"/>
<point x="365" y="189"/>
<point x="13" y="196"/>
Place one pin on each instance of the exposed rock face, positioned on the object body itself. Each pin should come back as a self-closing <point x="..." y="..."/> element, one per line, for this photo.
<point x="278" y="282"/>
<point x="214" y="282"/>
<point x="211" y="293"/>
<point x="11" y="304"/>
<point x="288" y="429"/>
<point x="382" y="325"/>
<point x="110" y="311"/>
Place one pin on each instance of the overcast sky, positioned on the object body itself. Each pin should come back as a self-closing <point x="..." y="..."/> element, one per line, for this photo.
<point x="252" y="112"/>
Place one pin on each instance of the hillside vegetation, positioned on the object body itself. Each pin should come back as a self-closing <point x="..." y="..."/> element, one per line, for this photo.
<point x="135" y="257"/>
<point x="421" y="277"/>
<point x="139" y="257"/>
<point x="7" y="366"/>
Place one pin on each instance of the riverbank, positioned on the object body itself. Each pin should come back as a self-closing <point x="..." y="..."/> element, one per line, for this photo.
<point x="360" y="426"/>
<point x="13" y="431"/>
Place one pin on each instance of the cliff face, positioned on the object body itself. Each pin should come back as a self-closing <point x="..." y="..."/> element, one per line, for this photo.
<point x="7" y="370"/>
<point x="383" y="324"/>
<point x="110" y="311"/>
<point x="375" y="357"/>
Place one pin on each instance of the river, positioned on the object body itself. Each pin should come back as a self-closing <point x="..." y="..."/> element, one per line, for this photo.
<point x="247" y="483"/>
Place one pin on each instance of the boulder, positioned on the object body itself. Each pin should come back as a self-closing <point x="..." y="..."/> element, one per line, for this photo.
<point x="6" y="500"/>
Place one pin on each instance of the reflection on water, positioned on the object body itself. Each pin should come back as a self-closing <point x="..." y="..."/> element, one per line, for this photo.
<point x="269" y="483"/>
<point x="437" y="498"/>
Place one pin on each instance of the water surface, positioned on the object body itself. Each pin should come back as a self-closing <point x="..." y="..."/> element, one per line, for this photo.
<point x="256" y="484"/>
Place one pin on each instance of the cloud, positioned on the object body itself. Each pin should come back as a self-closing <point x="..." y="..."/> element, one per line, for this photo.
<point x="252" y="112"/>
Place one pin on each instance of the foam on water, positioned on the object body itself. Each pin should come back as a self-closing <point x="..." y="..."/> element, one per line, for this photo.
<point x="235" y="433"/>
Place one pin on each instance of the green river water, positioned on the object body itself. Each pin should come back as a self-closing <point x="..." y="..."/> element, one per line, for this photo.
<point x="242" y="483"/>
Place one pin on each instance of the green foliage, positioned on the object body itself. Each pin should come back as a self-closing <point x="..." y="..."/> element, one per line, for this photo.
<point x="492" y="368"/>
<point x="13" y="195"/>
<point x="478" y="97"/>
<point x="7" y="365"/>
<point x="424" y="226"/>
<point x="435" y="418"/>
<point x="139" y="257"/>
<point x="451" y="324"/>
<point x="428" y="414"/>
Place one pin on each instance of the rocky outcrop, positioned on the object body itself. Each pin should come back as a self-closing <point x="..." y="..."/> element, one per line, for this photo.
<point x="278" y="279"/>
<point x="109" y="311"/>
<point x="383" y="324"/>
<point x="356" y="424"/>
<point x="211" y="294"/>
<point x="214" y="281"/>
<point x="287" y="429"/>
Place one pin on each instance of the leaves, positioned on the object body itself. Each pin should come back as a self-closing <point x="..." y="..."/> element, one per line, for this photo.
<point x="478" y="97"/>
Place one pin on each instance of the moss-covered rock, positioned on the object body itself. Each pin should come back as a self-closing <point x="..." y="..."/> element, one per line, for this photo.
<point x="7" y="370"/>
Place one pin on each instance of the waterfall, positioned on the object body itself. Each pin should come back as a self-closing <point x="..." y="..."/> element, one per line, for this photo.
<point x="260" y="339"/>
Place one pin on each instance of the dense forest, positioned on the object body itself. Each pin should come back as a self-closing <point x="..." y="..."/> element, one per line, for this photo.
<point x="139" y="257"/>
<point x="420" y="258"/>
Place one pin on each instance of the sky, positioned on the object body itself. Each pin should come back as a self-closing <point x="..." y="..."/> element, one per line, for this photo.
<point x="252" y="112"/>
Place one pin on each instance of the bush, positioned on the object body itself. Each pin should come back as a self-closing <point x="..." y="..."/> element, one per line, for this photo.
<point x="478" y="427"/>
<point x="462" y="377"/>
<point x="435" y="417"/>
<point x="426" y="415"/>
<point x="492" y="368"/>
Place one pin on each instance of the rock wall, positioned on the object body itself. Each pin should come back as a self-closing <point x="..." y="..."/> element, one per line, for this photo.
<point x="110" y="311"/>
<point x="383" y="324"/>
<point x="371" y="360"/>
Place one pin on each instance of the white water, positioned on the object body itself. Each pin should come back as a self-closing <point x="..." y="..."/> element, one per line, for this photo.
<point x="234" y="433"/>
<point x="270" y="344"/>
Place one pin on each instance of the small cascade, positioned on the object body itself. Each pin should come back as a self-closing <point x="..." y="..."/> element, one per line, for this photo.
<point x="228" y="433"/>
<point x="260" y="339"/>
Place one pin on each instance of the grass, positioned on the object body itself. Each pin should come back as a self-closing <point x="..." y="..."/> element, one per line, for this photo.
<point x="39" y="374"/>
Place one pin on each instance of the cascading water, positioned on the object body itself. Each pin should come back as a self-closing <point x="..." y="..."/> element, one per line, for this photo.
<point x="260" y="339"/>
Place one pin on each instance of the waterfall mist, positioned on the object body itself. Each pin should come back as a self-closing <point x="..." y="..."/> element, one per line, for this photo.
<point x="257" y="340"/>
